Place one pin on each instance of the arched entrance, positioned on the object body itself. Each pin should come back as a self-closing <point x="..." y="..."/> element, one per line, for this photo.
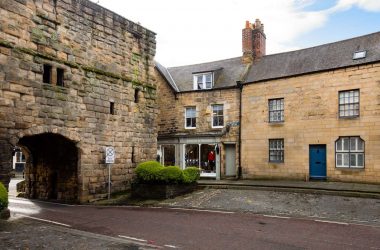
<point x="51" y="171"/>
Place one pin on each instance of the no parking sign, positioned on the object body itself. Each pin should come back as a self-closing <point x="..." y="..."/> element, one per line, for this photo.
<point x="110" y="155"/>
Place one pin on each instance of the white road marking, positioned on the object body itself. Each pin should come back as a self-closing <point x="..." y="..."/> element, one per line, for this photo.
<point x="49" y="221"/>
<point x="276" y="216"/>
<point x="132" y="238"/>
<point x="170" y="246"/>
<point x="201" y="210"/>
<point x="332" y="222"/>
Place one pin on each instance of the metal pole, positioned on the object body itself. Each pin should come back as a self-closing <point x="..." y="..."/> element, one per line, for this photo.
<point x="109" y="181"/>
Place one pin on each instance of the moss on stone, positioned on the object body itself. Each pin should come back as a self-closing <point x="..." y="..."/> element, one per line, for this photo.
<point x="6" y="44"/>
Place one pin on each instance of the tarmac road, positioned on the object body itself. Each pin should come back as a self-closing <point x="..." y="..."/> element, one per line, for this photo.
<point x="195" y="229"/>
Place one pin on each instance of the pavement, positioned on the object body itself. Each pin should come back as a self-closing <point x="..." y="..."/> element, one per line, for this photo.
<point x="314" y="187"/>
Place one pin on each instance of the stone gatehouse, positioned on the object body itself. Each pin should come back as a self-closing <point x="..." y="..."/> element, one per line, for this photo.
<point x="74" y="78"/>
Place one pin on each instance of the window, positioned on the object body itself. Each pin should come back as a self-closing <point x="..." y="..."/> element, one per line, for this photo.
<point x="112" y="108"/>
<point x="217" y="116"/>
<point x="276" y="150"/>
<point x="349" y="152"/>
<point x="349" y="103"/>
<point x="359" y="55"/>
<point x="203" y="81"/>
<point x="276" y="110"/>
<point x="190" y="117"/>
<point x="137" y="92"/>
<point x="47" y="73"/>
<point x="60" y="77"/>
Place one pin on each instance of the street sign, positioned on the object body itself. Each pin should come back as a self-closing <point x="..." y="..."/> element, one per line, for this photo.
<point x="110" y="155"/>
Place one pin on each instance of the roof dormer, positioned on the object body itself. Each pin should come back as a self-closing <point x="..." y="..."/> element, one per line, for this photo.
<point x="203" y="80"/>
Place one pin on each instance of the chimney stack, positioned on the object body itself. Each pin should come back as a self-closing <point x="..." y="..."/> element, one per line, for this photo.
<point x="253" y="40"/>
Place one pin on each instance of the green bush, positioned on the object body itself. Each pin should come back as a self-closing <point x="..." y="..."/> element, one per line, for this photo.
<point x="3" y="197"/>
<point x="171" y="175"/>
<point x="147" y="172"/>
<point x="191" y="175"/>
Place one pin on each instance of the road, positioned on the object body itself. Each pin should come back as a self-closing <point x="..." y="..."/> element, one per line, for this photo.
<point x="197" y="229"/>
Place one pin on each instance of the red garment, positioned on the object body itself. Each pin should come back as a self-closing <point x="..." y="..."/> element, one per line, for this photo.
<point x="211" y="156"/>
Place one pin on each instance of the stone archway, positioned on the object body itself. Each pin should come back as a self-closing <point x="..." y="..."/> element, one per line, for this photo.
<point x="51" y="171"/>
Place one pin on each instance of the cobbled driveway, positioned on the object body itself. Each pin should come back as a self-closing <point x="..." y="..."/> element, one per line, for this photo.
<point x="336" y="208"/>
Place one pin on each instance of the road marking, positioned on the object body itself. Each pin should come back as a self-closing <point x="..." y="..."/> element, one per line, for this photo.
<point x="201" y="210"/>
<point x="333" y="222"/>
<point x="276" y="216"/>
<point x="49" y="221"/>
<point x="132" y="238"/>
<point x="170" y="246"/>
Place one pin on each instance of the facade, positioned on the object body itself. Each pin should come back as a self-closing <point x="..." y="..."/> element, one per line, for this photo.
<point x="74" y="79"/>
<point x="314" y="113"/>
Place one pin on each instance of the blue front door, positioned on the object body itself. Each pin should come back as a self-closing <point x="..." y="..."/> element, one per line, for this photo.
<point x="317" y="161"/>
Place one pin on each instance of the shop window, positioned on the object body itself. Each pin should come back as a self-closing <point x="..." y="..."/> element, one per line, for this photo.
<point x="47" y="74"/>
<point x="168" y="155"/>
<point x="276" y="150"/>
<point x="192" y="155"/>
<point x="349" y="152"/>
<point x="202" y="156"/>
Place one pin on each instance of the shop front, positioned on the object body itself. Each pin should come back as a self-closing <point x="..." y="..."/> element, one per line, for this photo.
<point x="203" y="153"/>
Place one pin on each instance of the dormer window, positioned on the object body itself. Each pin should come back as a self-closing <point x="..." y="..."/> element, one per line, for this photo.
<point x="359" y="55"/>
<point x="203" y="81"/>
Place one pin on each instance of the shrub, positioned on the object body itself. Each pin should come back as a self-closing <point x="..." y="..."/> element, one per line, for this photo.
<point x="147" y="172"/>
<point x="191" y="174"/>
<point x="3" y="197"/>
<point x="170" y="175"/>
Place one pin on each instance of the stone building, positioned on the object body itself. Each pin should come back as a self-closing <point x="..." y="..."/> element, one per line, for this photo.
<point x="200" y="109"/>
<point x="314" y="113"/>
<point x="74" y="78"/>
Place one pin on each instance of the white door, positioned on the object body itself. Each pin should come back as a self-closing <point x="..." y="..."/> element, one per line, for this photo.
<point x="230" y="159"/>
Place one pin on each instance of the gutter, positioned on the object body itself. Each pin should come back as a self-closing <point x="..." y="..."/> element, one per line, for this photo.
<point x="240" y="86"/>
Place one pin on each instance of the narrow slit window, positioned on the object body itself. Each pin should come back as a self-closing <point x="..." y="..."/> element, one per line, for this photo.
<point x="60" y="75"/>
<point x="133" y="154"/>
<point x="112" y="108"/>
<point x="137" y="92"/>
<point x="47" y="74"/>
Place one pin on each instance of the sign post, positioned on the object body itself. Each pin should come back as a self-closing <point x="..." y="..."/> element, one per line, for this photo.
<point x="110" y="159"/>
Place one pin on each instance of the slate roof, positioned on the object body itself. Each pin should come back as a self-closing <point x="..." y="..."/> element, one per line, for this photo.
<point x="226" y="73"/>
<point x="319" y="58"/>
<point x="165" y="73"/>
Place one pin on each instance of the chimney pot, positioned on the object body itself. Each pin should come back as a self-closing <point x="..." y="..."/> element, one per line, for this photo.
<point x="253" y="40"/>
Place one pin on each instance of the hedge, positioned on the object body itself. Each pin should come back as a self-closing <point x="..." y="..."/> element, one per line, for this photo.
<point x="191" y="175"/>
<point x="152" y="172"/>
<point x="3" y="197"/>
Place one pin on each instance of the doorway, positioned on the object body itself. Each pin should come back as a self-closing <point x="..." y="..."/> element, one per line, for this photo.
<point x="317" y="162"/>
<point x="230" y="160"/>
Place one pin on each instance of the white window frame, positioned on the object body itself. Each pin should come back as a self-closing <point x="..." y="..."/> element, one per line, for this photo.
<point x="213" y="115"/>
<point x="203" y="81"/>
<point x="349" y="103"/>
<point x="276" y="109"/>
<point x="349" y="151"/>
<point x="277" y="149"/>
<point x="195" y="117"/>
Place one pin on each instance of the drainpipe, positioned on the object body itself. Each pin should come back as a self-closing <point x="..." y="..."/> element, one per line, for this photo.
<point x="240" y="86"/>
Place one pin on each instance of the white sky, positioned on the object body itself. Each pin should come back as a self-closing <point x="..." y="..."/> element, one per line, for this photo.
<point x="196" y="31"/>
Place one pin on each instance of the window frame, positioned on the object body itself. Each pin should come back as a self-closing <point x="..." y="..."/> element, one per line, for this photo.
<point x="195" y="117"/>
<point x="277" y="110"/>
<point x="204" y="81"/>
<point x="216" y="115"/>
<point x="349" y="152"/>
<point x="276" y="150"/>
<point x="345" y="104"/>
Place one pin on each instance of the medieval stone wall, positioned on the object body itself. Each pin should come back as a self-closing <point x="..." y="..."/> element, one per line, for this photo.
<point x="106" y="61"/>
<point x="311" y="117"/>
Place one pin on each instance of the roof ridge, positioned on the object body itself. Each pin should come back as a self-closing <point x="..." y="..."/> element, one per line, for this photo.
<point x="323" y="45"/>
<point x="199" y="64"/>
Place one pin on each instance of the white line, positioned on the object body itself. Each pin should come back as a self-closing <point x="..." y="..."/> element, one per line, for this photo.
<point x="333" y="222"/>
<point x="170" y="246"/>
<point x="132" y="238"/>
<point x="201" y="210"/>
<point x="276" y="216"/>
<point x="49" y="221"/>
